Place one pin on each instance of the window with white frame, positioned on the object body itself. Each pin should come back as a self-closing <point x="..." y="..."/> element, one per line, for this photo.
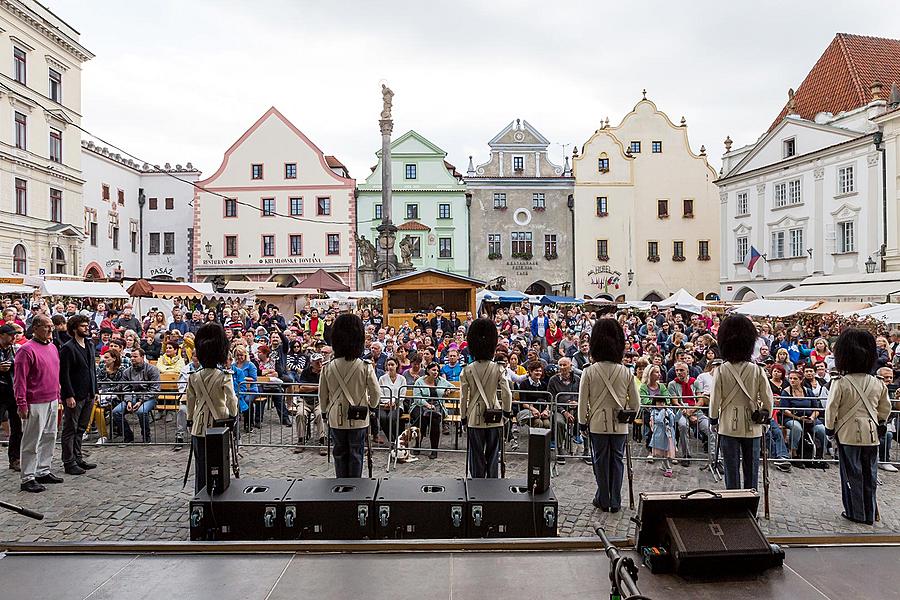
<point x="445" y="247"/>
<point x="518" y="163"/>
<point x="741" y="249"/>
<point x="846" y="237"/>
<point x="777" y="250"/>
<point x="796" y="236"/>
<point x="443" y="211"/>
<point x="794" y="195"/>
<point x="780" y="194"/>
<point x="789" y="147"/>
<point x="499" y="200"/>
<point x="415" y="247"/>
<point x="538" y="201"/>
<point x="743" y="204"/>
<point x="845" y="180"/>
<point x="494" y="244"/>
<point x="521" y="243"/>
<point x="550" y="244"/>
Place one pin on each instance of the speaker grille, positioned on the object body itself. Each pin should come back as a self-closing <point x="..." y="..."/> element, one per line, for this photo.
<point x="696" y="535"/>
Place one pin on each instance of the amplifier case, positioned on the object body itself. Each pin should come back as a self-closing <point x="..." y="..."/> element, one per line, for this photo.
<point x="218" y="459"/>
<point x="705" y="532"/>
<point x="330" y="509"/>
<point x="250" y="509"/>
<point x="416" y="508"/>
<point x="506" y="508"/>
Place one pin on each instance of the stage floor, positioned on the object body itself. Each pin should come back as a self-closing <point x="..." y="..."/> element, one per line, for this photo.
<point x="814" y="573"/>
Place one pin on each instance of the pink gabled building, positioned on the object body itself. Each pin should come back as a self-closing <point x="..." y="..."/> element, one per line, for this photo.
<point x="276" y="209"/>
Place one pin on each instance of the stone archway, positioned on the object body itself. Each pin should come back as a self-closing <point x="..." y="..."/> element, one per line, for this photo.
<point x="284" y="280"/>
<point x="93" y="271"/>
<point x="653" y="297"/>
<point x="745" y="294"/>
<point x="538" y="288"/>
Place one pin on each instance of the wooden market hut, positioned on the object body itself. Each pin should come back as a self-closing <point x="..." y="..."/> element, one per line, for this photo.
<point x="420" y="291"/>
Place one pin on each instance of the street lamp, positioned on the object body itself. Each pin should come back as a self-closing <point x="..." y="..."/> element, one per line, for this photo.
<point x="209" y="249"/>
<point x="630" y="276"/>
<point x="870" y="266"/>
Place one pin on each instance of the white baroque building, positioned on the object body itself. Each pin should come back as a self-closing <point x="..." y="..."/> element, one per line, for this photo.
<point x="138" y="218"/>
<point x="40" y="146"/>
<point x="808" y="194"/>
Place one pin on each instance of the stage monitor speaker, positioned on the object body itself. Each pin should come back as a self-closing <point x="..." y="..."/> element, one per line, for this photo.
<point x="539" y="460"/>
<point x="250" y="509"/>
<point x="432" y="508"/>
<point x="331" y="509"/>
<point x="218" y="459"/>
<point x="507" y="508"/>
<point x="703" y="532"/>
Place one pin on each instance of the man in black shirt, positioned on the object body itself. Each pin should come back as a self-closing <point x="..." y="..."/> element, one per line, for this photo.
<point x="78" y="389"/>
<point x="7" y="397"/>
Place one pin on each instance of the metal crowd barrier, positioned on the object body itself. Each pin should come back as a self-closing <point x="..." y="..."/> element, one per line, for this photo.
<point x="274" y="401"/>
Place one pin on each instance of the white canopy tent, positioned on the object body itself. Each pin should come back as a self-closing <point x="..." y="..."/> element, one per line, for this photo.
<point x="773" y="308"/>
<point x="682" y="300"/>
<point x="107" y="290"/>
<point x="889" y="313"/>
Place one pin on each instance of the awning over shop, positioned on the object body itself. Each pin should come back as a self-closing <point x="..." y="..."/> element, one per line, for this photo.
<point x="154" y="289"/>
<point x="859" y="287"/>
<point x="773" y="308"/>
<point x="247" y="286"/>
<point x="560" y="300"/>
<point x="889" y="313"/>
<point x="15" y="288"/>
<point x="86" y="289"/>
<point x="504" y="296"/>
<point x="842" y="308"/>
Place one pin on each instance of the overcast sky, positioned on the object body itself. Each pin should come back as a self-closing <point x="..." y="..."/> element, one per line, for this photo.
<point x="177" y="81"/>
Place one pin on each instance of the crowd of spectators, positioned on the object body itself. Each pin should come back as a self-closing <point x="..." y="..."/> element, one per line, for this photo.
<point x="672" y="353"/>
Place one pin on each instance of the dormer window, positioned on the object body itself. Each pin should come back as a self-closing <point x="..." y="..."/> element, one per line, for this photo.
<point x="603" y="165"/>
<point x="789" y="148"/>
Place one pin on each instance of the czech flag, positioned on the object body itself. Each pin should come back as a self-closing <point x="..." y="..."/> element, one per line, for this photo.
<point x="750" y="260"/>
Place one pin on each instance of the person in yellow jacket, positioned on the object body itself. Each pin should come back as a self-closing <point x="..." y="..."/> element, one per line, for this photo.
<point x="740" y="389"/>
<point x="607" y="389"/>
<point x="858" y="407"/>
<point x="485" y="400"/>
<point x="348" y="391"/>
<point x="210" y="393"/>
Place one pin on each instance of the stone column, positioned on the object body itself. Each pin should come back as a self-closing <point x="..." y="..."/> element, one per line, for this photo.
<point x="386" y="260"/>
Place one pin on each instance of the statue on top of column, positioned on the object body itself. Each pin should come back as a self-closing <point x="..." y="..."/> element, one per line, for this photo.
<point x="387" y="96"/>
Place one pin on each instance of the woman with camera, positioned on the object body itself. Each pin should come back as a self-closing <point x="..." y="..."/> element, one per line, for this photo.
<point x="608" y="400"/>
<point x="482" y="411"/>
<point x="210" y="393"/>
<point x="857" y="409"/>
<point x="348" y="390"/>
<point x="740" y="403"/>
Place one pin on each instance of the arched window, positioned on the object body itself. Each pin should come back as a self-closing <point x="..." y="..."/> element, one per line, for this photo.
<point x="58" y="262"/>
<point x="20" y="260"/>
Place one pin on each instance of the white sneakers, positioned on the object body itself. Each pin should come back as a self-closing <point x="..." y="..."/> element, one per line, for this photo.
<point x="101" y="440"/>
<point x="887" y="467"/>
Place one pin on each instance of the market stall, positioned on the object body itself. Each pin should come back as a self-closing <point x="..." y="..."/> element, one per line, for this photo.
<point x="421" y="291"/>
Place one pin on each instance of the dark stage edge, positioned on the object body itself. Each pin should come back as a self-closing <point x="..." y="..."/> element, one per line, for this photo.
<point x="820" y="573"/>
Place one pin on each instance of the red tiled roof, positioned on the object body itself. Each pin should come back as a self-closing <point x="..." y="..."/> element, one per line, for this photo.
<point x="841" y="78"/>
<point x="334" y="163"/>
<point x="414" y="226"/>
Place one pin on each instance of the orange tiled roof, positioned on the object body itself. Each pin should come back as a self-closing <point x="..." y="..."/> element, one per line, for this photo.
<point x="334" y="163"/>
<point x="414" y="226"/>
<point x="841" y="78"/>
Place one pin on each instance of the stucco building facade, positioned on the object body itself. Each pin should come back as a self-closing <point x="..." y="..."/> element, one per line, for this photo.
<point x="276" y="209"/>
<point x="428" y="205"/>
<point x="521" y="220"/>
<point x="41" y="182"/>
<point x="646" y="211"/>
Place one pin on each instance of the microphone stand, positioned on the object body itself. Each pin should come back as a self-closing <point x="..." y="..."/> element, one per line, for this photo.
<point x="22" y="511"/>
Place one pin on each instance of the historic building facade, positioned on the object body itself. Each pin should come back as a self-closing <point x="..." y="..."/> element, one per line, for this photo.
<point x="521" y="221"/>
<point x="41" y="181"/>
<point x="646" y="211"/>
<point x="137" y="218"/>
<point x="276" y="209"/>
<point x="428" y="206"/>
<point x="808" y="195"/>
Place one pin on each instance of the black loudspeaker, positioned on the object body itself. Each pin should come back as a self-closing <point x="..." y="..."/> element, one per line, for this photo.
<point x="703" y="533"/>
<point x="507" y="508"/>
<point x="251" y="509"/>
<point x="539" y="460"/>
<point x="420" y="508"/>
<point x="330" y="509"/>
<point x="218" y="459"/>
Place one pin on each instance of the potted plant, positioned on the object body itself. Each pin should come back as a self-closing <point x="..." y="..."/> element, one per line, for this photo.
<point x="495" y="256"/>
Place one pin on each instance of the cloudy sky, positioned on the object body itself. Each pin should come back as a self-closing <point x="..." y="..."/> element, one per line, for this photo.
<point x="175" y="81"/>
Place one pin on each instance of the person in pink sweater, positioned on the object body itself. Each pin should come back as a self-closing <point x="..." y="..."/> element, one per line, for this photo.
<point x="36" y="387"/>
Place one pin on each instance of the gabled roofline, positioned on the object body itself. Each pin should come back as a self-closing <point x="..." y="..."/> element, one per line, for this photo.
<point x="273" y="112"/>
<point x="413" y="134"/>
<point x="495" y="141"/>
<point x="761" y="143"/>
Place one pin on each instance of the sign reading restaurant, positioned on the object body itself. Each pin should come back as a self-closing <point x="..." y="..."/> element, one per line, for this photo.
<point x="292" y="260"/>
